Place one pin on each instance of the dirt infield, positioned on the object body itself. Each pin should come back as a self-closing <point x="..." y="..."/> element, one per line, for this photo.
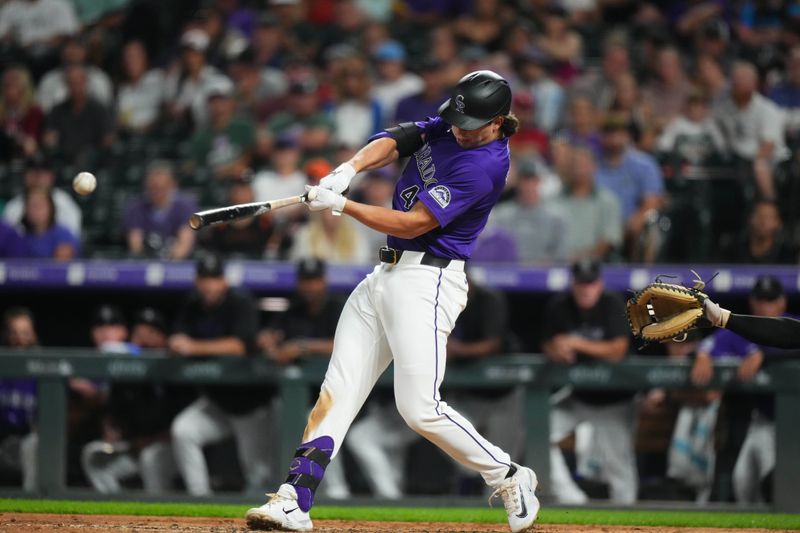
<point x="30" y="522"/>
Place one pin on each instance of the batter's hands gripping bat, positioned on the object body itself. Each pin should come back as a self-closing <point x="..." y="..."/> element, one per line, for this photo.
<point x="236" y="212"/>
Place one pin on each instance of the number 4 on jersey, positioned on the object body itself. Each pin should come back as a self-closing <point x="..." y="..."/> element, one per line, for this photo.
<point x="408" y="195"/>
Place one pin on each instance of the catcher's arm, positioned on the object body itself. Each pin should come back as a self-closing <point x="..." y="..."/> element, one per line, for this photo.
<point x="779" y="331"/>
<point x="702" y="368"/>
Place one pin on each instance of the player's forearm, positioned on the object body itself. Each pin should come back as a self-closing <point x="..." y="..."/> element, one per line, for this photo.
<point x="467" y="350"/>
<point x="64" y="252"/>
<point x="402" y="224"/>
<point x="136" y="241"/>
<point x="610" y="350"/>
<point x="230" y="346"/>
<point x="184" y="243"/>
<point x="599" y="250"/>
<point x="376" y="154"/>
<point x="780" y="332"/>
<point x="317" y="347"/>
<point x="649" y="204"/>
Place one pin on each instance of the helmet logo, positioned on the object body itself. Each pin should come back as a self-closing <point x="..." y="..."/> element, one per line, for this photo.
<point x="459" y="103"/>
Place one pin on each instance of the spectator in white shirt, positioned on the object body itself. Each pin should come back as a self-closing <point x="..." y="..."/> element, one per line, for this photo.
<point x="39" y="174"/>
<point x="53" y="87"/>
<point x="284" y="178"/>
<point x="548" y="96"/>
<point x="753" y="126"/>
<point x="693" y="137"/>
<point x="141" y="94"/>
<point x="356" y="114"/>
<point x="394" y="82"/>
<point x="188" y="82"/>
<point x="334" y="239"/>
<point x="37" y="25"/>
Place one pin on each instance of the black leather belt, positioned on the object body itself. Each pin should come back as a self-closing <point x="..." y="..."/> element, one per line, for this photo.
<point x="392" y="256"/>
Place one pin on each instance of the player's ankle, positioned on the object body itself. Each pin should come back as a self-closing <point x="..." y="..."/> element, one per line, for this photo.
<point x="511" y="471"/>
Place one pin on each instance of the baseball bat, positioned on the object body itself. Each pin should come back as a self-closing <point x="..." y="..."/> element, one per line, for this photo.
<point x="239" y="211"/>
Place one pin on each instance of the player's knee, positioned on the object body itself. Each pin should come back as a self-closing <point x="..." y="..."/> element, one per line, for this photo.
<point x="91" y="451"/>
<point x="415" y="417"/>
<point x="29" y="446"/>
<point x="152" y="457"/>
<point x="183" y="429"/>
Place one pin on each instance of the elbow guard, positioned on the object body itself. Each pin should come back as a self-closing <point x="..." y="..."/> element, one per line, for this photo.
<point x="407" y="136"/>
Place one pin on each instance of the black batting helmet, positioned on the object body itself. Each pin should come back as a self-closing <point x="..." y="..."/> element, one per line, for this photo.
<point x="478" y="98"/>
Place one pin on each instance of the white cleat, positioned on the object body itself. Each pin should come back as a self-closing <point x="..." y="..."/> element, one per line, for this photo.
<point x="280" y="513"/>
<point x="519" y="499"/>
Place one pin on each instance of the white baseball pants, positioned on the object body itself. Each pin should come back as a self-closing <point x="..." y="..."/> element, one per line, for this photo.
<point x="379" y="441"/>
<point x="106" y="468"/>
<point x="613" y="430"/>
<point x="29" y="451"/>
<point x="756" y="460"/>
<point x="403" y="312"/>
<point x="204" y="422"/>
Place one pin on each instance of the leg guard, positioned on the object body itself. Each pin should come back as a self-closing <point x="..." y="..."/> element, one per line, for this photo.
<point x="307" y="469"/>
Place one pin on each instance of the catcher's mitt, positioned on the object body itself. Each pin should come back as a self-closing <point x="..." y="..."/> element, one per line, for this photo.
<point x="663" y="311"/>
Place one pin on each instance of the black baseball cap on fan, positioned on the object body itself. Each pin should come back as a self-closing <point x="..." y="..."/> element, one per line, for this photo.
<point x="151" y="317"/>
<point x="586" y="270"/>
<point x="210" y="265"/>
<point x="311" y="268"/>
<point x="478" y="98"/>
<point x="767" y="288"/>
<point x="108" y="315"/>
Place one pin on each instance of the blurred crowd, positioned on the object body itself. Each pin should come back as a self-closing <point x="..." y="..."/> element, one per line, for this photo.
<point x="651" y="131"/>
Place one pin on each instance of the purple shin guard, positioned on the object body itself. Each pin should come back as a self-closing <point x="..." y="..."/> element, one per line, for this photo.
<point x="307" y="469"/>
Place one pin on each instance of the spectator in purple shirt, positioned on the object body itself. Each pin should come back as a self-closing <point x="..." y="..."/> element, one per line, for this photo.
<point x="786" y="94"/>
<point x="157" y="223"/>
<point x="11" y="244"/>
<point x="42" y="236"/>
<point x="426" y="102"/>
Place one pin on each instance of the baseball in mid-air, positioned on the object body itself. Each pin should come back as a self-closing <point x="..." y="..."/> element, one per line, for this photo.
<point x="84" y="183"/>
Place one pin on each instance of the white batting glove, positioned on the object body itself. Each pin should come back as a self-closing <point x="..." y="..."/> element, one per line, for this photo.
<point x="320" y="199"/>
<point x="339" y="180"/>
<point x="716" y="314"/>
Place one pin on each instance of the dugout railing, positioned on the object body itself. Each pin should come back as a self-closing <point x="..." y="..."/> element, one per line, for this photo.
<point x="531" y="373"/>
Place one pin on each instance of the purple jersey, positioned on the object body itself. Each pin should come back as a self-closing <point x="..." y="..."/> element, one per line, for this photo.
<point x="725" y="343"/>
<point x="458" y="185"/>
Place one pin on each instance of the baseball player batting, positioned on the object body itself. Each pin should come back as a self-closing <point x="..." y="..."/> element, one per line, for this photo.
<point x="406" y="308"/>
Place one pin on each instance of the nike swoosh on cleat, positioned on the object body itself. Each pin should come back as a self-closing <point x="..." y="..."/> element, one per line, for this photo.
<point x="524" y="512"/>
<point x="290" y="510"/>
